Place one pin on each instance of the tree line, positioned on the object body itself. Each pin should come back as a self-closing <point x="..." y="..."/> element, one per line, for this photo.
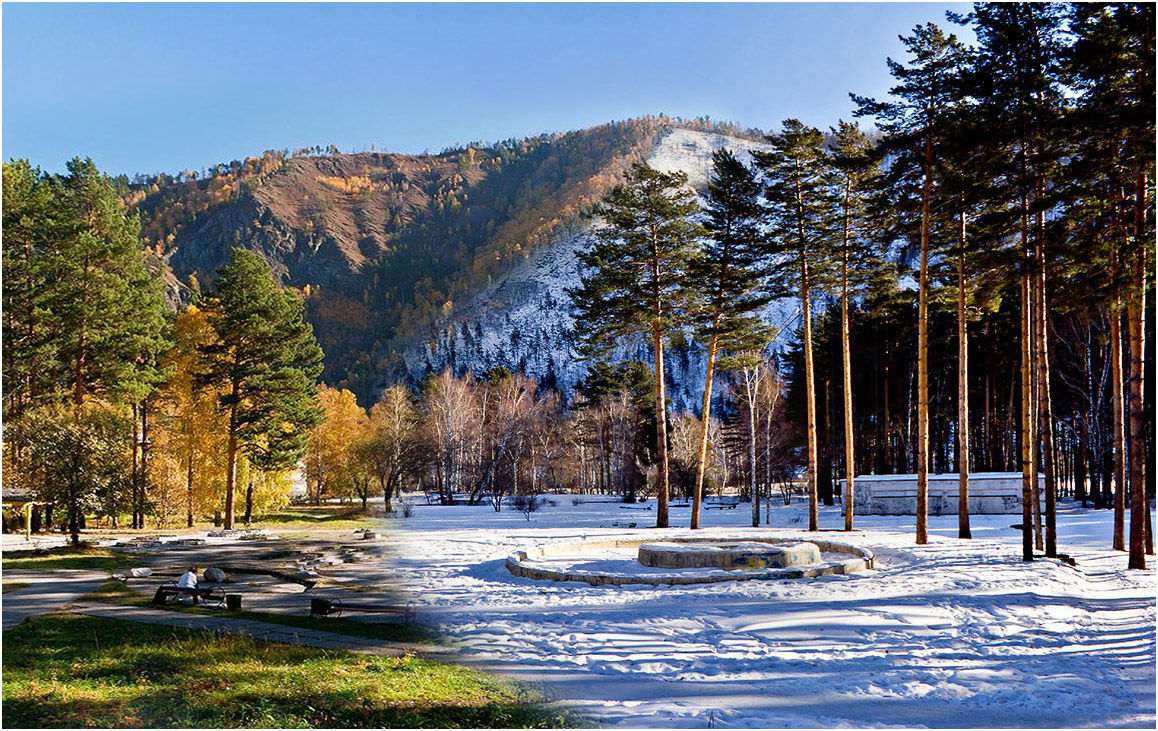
<point x="1018" y="173"/>
<point x="502" y="437"/>
<point x="1005" y="196"/>
<point x="115" y="405"/>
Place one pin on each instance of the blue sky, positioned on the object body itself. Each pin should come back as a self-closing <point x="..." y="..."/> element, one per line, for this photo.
<point x="145" y="88"/>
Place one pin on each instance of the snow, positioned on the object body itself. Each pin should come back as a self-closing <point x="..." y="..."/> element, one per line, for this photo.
<point x="950" y="634"/>
<point x="523" y="320"/>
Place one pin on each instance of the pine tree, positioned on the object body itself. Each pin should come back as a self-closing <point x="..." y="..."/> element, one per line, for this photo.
<point x="798" y="188"/>
<point x="1015" y="79"/>
<point x="730" y="276"/>
<point x="108" y="307"/>
<point x="856" y="173"/>
<point x="264" y="363"/>
<point x="1112" y="64"/>
<point x="914" y="125"/>
<point x="31" y="348"/>
<point x="635" y="277"/>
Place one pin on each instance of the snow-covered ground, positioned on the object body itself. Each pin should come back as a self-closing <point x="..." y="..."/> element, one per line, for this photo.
<point x="950" y="634"/>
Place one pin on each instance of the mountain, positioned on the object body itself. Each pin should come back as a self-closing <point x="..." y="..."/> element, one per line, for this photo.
<point x="412" y="263"/>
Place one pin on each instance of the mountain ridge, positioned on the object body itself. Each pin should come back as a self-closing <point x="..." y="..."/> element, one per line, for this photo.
<point x="391" y="251"/>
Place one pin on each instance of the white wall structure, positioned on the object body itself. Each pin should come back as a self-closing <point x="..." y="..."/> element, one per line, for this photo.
<point x="990" y="493"/>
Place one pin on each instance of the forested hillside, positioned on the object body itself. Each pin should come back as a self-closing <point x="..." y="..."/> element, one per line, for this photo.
<point x="386" y="246"/>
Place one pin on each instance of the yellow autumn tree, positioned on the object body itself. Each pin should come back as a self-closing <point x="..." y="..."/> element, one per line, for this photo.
<point x="190" y="439"/>
<point x="329" y="463"/>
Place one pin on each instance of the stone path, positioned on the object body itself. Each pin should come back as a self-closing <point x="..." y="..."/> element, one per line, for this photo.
<point x="47" y="591"/>
<point x="267" y="631"/>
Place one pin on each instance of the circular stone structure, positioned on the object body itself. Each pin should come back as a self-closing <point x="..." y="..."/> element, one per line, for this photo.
<point x="740" y="556"/>
<point x="543" y="562"/>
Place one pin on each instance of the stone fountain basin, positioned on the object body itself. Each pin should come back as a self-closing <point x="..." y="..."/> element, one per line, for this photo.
<point x="730" y="556"/>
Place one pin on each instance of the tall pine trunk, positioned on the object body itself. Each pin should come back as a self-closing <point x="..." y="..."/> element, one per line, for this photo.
<point x="809" y="395"/>
<point x="249" y="503"/>
<point x="133" y="502"/>
<point x="1038" y="539"/>
<point x="231" y="462"/>
<point x="1117" y="402"/>
<point x="1028" y="473"/>
<point x="752" y="387"/>
<point x="142" y="496"/>
<point x="698" y="492"/>
<point x="963" y="530"/>
<point x="849" y="445"/>
<point x="923" y="355"/>
<point x="1045" y="406"/>
<point x="661" y="520"/>
<point x="1139" y="504"/>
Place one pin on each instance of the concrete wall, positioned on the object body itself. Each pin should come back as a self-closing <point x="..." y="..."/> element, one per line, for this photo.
<point x="990" y="493"/>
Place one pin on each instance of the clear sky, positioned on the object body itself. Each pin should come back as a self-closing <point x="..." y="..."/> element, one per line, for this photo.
<point x="146" y="88"/>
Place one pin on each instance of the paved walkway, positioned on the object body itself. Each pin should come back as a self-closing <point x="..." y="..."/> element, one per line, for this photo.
<point x="267" y="631"/>
<point x="47" y="591"/>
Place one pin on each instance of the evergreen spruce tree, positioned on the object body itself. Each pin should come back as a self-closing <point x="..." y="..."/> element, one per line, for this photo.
<point x="635" y="279"/>
<point x="730" y="274"/>
<point x="265" y="363"/>
<point x="798" y="191"/>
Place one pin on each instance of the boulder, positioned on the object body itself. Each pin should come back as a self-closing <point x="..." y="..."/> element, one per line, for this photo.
<point x="214" y="576"/>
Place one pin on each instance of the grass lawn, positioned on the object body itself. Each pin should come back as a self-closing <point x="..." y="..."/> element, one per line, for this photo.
<point x="327" y="517"/>
<point x="66" y="557"/>
<point x="336" y="517"/>
<point x="71" y="671"/>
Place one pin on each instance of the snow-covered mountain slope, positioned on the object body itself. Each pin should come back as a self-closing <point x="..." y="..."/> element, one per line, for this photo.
<point x="523" y="320"/>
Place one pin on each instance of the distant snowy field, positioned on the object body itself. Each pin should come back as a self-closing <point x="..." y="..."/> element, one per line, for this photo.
<point x="951" y="634"/>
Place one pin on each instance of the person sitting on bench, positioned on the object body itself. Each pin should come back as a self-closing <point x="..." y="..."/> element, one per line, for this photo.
<point x="188" y="579"/>
<point x="187" y="584"/>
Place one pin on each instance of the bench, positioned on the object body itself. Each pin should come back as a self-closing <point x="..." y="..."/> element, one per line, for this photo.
<point x="721" y="506"/>
<point x="321" y="608"/>
<point x="211" y="595"/>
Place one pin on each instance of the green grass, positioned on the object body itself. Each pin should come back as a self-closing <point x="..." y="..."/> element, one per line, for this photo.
<point x="13" y="586"/>
<point x="66" y="557"/>
<point x="387" y="631"/>
<point x="336" y="517"/>
<point x="72" y="671"/>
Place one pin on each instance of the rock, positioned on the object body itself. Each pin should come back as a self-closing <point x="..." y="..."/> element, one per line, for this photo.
<point x="214" y="575"/>
<point x="140" y="573"/>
